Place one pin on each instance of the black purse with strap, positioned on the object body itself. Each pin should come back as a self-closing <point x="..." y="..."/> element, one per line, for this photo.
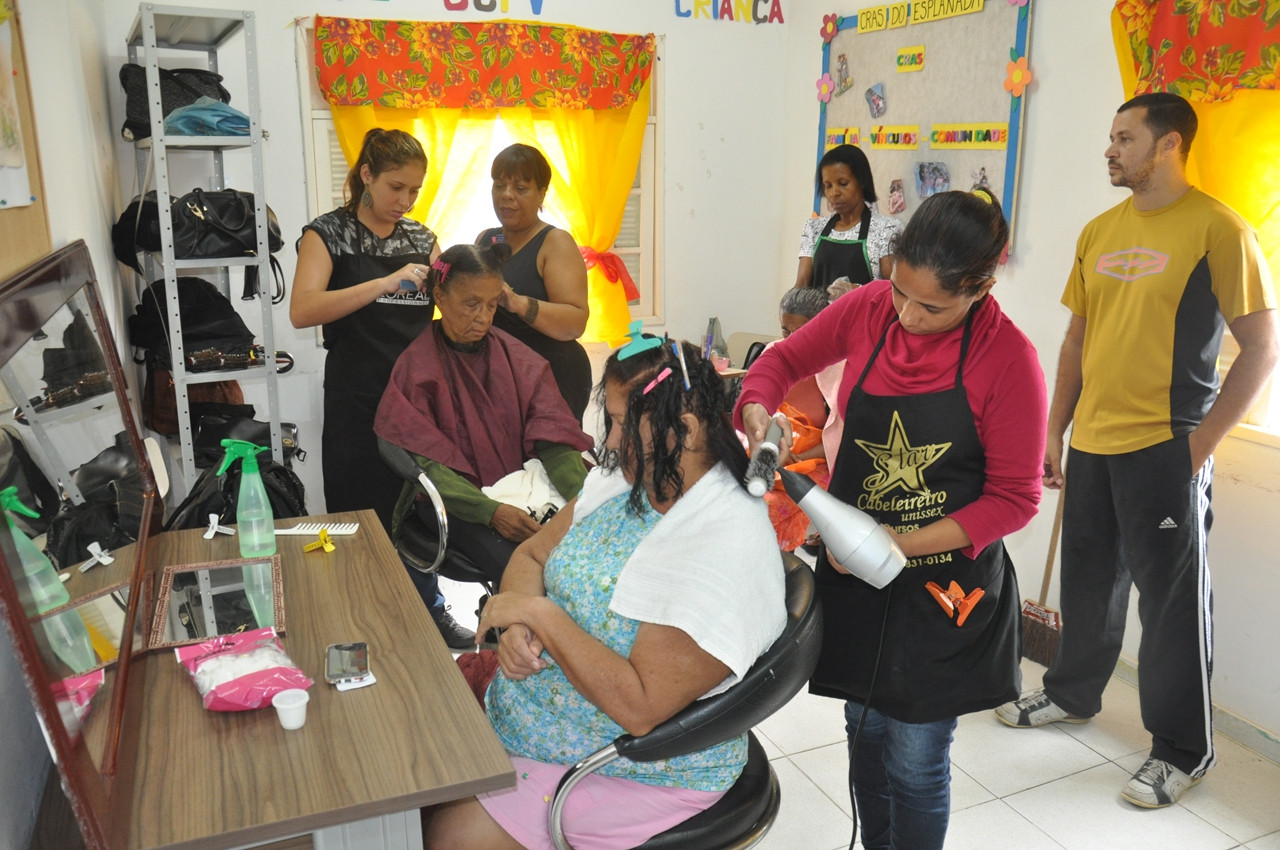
<point x="213" y="224"/>
<point x="178" y="87"/>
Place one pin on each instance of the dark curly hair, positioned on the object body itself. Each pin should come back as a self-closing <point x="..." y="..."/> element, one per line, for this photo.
<point x="706" y="399"/>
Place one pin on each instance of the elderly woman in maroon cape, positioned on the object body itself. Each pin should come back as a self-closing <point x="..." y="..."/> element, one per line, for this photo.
<point x="473" y="404"/>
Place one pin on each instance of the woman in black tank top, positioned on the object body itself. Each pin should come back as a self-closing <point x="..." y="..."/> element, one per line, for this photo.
<point x="544" y="302"/>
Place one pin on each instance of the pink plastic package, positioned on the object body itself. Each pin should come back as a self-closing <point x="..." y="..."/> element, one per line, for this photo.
<point x="74" y="697"/>
<point x="241" y="672"/>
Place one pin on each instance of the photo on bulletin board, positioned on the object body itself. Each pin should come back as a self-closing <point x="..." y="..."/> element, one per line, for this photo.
<point x="933" y="92"/>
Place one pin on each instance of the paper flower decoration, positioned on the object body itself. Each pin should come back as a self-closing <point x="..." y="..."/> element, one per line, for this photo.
<point x="1019" y="75"/>
<point x="830" y="26"/>
<point x="1019" y="2"/>
<point x="826" y="86"/>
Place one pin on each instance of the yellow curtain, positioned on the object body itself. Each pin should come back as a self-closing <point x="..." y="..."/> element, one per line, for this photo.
<point x="593" y="154"/>
<point x="1236" y="148"/>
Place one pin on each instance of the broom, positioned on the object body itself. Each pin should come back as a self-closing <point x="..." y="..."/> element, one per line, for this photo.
<point x="1041" y="626"/>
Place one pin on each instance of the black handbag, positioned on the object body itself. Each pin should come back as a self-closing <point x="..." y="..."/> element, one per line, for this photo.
<point x="178" y="87"/>
<point x="207" y="445"/>
<point x="213" y="224"/>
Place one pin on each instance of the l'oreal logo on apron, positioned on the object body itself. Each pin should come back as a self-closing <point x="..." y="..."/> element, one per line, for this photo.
<point x="900" y="465"/>
<point x="406" y="298"/>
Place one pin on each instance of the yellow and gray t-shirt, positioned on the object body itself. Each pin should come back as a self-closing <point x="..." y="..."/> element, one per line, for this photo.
<point x="1157" y="288"/>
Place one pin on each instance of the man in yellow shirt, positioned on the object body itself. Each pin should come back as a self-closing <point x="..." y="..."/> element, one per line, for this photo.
<point x="1156" y="280"/>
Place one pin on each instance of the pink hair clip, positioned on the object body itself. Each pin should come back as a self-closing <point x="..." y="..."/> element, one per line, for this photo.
<point x="662" y="376"/>
<point x="441" y="267"/>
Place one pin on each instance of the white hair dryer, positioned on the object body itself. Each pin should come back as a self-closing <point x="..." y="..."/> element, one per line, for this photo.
<point x="859" y="543"/>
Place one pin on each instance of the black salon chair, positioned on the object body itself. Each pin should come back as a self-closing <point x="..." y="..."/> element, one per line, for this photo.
<point x="420" y="547"/>
<point x="744" y="814"/>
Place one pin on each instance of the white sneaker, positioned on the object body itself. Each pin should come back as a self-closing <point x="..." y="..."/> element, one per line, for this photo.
<point x="1034" y="709"/>
<point x="1157" y="784"/>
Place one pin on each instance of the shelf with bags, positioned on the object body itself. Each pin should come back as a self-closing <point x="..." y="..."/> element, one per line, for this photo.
<point x="211" y="35"/>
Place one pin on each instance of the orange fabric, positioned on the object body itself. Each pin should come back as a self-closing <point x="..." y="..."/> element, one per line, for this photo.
<point x="455" y="65"/>
<point x="789" y="522"/>
<point x="1224" y="59"/>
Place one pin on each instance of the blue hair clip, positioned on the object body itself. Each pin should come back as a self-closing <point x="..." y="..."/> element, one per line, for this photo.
<point x="679" y="350"/>
<point x="638" y="343"/>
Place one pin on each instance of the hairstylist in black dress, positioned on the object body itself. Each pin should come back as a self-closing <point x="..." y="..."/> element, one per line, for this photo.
<point x="852" y="244"/>
<point x="544" y="304"/>
<point x="362" y="275"/>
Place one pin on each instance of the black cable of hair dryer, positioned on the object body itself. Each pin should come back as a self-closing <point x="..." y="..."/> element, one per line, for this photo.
<point x="764" y="461"/>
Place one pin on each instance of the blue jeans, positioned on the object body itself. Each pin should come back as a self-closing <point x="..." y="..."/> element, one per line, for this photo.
<point x="428" y="587"/>
<point x="901" y="780"/>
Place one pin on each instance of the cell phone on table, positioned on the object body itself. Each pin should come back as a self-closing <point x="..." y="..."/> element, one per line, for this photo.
<point x="346" y="662"/>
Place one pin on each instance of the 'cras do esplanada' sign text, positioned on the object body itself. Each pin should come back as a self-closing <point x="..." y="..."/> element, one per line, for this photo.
<point x="744" y="11"/>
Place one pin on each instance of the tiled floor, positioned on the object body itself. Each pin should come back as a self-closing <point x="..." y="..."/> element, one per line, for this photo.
<point x="1055" y="788"/>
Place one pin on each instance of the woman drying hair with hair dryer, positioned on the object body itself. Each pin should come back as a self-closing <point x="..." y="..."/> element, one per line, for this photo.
<point x="944" y="406"/>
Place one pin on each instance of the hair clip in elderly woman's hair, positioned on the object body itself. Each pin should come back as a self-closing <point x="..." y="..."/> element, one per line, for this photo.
<point x="984" y="195"/>
<point x="441" y="267"/>
<point x="662" y="376"/>
<point x="638" y="341"/>
<point x="684" y="368"/>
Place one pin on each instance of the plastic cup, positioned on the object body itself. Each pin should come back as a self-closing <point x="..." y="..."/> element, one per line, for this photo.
<point x="720" y="363"/>
<point x="291" y="707"/>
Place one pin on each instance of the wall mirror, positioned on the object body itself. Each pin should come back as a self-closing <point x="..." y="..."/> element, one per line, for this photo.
<point x="68" y="402"/>
<point x="200" y="601"/>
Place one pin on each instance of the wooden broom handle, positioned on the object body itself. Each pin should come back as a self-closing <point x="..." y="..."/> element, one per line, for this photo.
<point x="1053" y="549"/>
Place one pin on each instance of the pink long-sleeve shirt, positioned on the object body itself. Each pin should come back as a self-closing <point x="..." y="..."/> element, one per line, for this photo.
<point x="1002" y="379"/>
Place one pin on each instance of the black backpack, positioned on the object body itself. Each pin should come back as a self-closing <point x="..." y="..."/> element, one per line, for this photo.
<point x="111" y="513"/>
<point x="218" y="494"/>
<point x="209" y="322"/>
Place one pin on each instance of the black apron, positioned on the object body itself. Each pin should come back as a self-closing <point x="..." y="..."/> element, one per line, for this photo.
<point x="833" y="258"/>
<point x="909" y="461"/>
<point x="363" y="347"/>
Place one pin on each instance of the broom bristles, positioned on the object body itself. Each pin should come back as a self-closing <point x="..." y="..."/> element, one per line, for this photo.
<point x="1041" y="630"/>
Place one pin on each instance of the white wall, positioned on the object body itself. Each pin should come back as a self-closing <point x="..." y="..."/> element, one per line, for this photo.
<point x="739" y="140"/>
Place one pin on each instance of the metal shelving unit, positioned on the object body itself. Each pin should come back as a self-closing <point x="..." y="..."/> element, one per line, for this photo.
<point x="207" y="32"/>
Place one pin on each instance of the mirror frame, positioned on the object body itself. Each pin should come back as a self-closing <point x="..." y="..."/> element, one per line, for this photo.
<point x="101" y="797"/>
<point x="155" y="639"/>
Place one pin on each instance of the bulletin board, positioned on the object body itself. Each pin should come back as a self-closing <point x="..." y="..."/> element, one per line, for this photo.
<point x="24" y="228"/>
<point x="933" y="91"/>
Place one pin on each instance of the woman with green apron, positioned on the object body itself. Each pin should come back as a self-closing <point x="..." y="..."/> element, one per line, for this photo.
<point x="852" y="244"/>
<point x="361" y="274"/>
<point x="945" y="407"/>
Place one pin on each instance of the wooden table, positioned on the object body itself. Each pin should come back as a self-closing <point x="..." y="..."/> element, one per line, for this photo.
<point x="219" y="780"/>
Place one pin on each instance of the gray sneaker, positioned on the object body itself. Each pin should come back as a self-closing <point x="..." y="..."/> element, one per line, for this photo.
<point x="1034" y="709"/>
<point x="1157" y="784"/>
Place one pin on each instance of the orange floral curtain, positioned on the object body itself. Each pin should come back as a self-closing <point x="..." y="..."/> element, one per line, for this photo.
<point x="581" y="96"/>
<point x="1223" y="56"/>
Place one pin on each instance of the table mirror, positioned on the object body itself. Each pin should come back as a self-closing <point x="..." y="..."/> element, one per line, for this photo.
<point x="68" y="401"/>
<point x="200" y="601"/>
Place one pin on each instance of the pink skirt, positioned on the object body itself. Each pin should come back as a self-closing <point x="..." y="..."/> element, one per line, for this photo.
<point x="602" y="813"/>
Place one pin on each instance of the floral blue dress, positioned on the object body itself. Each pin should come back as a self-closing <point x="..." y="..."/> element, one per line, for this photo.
<point x="544" y="717"/>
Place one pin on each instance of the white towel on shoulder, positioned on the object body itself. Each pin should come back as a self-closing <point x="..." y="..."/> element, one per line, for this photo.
<point x="710" y="567"/>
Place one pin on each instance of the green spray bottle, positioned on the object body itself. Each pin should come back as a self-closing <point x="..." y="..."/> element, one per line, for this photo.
<point x="67" y="634"/>
<point x="255" y="527"/>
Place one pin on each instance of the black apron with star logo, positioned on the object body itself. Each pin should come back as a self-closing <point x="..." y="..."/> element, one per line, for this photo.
<point x="909" y="461"/>
<point x="833" y="258"/>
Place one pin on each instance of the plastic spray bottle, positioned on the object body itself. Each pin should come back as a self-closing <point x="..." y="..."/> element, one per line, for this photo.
<point x="66" y="631"/>
<point x="255" y="527"/>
